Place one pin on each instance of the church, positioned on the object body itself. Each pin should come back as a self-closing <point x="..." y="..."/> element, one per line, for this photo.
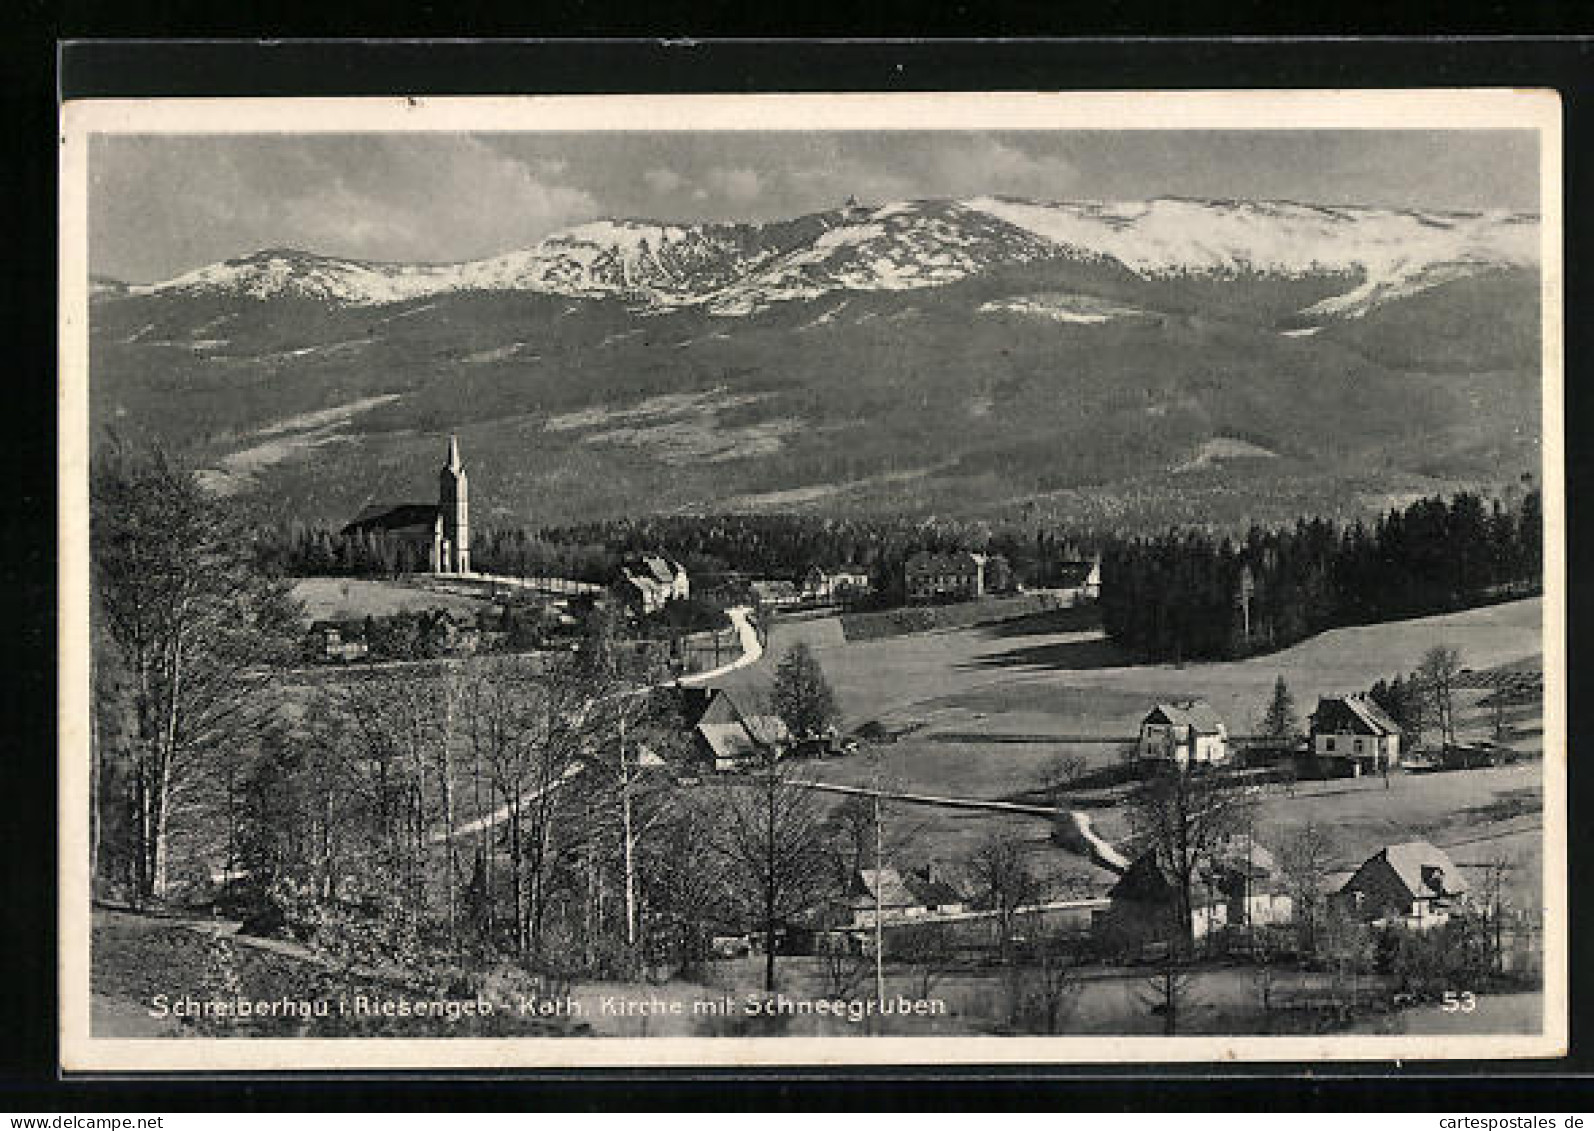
<point x="440" y="531"/>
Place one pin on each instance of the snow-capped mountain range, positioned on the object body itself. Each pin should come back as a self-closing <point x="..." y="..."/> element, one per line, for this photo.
<point x="739" y="269"/>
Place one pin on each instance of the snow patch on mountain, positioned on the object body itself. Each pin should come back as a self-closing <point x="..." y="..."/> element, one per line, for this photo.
<point x="1079" y="309"/>
<point x="904" y="246"/>
<point x="1395" y="252"/>
<point x="1220" y="449"/>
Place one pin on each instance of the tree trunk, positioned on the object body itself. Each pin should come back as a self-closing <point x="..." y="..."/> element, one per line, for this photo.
<point x="630" y="849"/>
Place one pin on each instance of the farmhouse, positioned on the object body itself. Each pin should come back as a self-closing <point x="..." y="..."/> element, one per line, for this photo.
<point x="901" y="895"/>
<point x="647" y="582"/>
<point x="1144" y="908"/>
<point x="1182" y="733"/>
<point x="1354" y="729"/>
<point x="723" y="737"/>
<point x="1236" y="884"/>
<point x="436" y="533"/>
<point x="957" y="576"/>
<point x="836" y="584"/>
<point x="1412" y="885"/>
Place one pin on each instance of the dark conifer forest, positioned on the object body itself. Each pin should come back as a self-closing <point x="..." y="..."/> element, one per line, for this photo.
<point x="1187" y="595"/>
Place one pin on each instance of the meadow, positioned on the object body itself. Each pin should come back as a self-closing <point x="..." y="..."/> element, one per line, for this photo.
<point x="355" y="598"/>
<point x="988" y="711"/>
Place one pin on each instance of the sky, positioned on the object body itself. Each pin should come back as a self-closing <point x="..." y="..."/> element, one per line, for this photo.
<point x="162" y="205"/>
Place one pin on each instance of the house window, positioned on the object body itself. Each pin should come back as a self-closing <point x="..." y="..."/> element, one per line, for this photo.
<point x="1358" y="746"/>
<point x="1328" y="744"/>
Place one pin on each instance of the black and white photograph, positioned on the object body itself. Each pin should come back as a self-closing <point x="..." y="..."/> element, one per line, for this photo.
<point x="812" y="580"/>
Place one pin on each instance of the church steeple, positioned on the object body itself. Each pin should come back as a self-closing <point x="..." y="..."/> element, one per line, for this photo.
<point x="452" y="549"/>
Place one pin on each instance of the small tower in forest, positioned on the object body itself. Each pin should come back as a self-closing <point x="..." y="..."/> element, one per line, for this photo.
<point x="451" y="535"/>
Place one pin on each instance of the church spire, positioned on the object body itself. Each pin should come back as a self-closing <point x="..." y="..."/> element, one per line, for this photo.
<point x="452" y="533"/>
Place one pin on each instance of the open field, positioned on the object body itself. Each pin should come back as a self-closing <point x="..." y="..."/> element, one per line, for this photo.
<point x="985" y="711"/>
<point x="353" y="598"/>
<point x="1048" y="674"/>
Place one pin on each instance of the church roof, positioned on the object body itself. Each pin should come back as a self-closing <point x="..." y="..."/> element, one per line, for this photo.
<point x="394" y="518"/>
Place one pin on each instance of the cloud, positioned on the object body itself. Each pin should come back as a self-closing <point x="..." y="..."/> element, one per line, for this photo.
<point x="990" y="165"/>
<point x="663" y="180"/>
<point x="739" y="184"/>
<point x="164" y="205"/>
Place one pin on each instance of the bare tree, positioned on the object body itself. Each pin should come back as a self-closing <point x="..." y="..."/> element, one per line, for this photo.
<point x="927" y="948"/>
<point x="844" y="969"/>
<point x="635" y="742"/>
<point x="1169" y="994"/>
<point x="770" y="836"/>
<point x="1006" y="885"/>
<point x="1061" y="774"/>
<point x="1305" y="860"/>
<point x="528" y="729"/>
<point x="1185" y="814"/>
<point x="191" y="618"/>
<point x="1493" y="906"/>
<point x="1436" y="675"/>
<point x="1044" y="990"/>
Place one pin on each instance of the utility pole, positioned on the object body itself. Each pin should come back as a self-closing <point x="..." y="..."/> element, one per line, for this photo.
<point x="879" y="897"/>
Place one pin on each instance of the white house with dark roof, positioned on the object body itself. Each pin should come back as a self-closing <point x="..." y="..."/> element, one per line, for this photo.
<point x="1413" y="884"/>
<point x="1184" y="733"/>
<point x="648" y="582"/>
<point x="902" y="895"/>
<point x="1353" y="728"/>
<point x="832" y="584"/>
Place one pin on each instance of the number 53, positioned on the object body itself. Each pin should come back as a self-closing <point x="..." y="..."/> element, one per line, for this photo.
<point x="1463" y="1002"/>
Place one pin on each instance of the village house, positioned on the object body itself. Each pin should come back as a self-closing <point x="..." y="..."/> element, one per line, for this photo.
<point x="955" y="576"/>
<point x="1080" y="581"/>
<point x="1355" y="731"/>
<point x="339" y="641"/>
<point x="1413" y="885"/>
<point x="842" y="583"/>
<point x="724" y="737"/>
<point x="1237" y="885"/>
<point x="1184" y="733"/>
<point x="647" y="582"/>
<point x="775" y="593"/>
<point x="901" y="896"/>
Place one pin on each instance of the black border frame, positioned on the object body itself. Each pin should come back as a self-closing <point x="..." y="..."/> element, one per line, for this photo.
<point x="103" y="68"/>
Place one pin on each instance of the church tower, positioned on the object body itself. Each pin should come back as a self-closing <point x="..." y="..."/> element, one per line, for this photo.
<point x="453" y="515"/>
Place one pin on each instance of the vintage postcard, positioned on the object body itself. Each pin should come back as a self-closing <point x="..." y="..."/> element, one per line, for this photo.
<point x="812" y="580"/>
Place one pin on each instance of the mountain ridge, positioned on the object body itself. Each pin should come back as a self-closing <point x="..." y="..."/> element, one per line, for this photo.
<point x="735" y="269"/>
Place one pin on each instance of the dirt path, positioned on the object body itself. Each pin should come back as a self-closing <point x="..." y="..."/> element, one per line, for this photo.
<point x="1097" y="850"/>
